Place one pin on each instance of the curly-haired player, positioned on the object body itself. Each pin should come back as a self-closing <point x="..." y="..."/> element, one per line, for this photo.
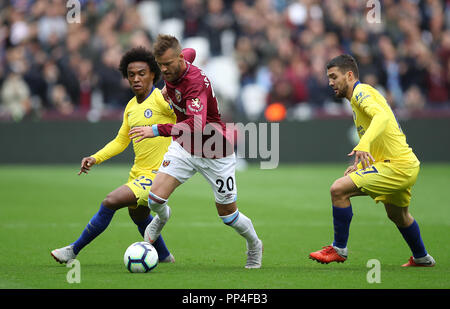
<point x="148" y="107"/>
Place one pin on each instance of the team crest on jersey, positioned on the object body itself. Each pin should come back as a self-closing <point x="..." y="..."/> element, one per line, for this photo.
<point x="178" y="95"/>
<point x="166" y="163"/>
<point x="148" y="113"/>
<point x="195" y="105"/>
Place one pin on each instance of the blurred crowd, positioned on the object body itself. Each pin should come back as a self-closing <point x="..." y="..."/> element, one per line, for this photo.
<point x="60" y="57"/>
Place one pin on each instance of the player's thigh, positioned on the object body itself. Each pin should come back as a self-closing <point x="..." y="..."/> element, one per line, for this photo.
<point x="220" y="173"/>
<point x="374" y="180"/>
<point x="345" y="187"/>
<point x="121" y="197"/>
<point x="386" y="183"/>
<point x="407" y="178"/>
<point x="164" y="185"/>
<point x="401" y="198"/>
<point x="175" y="169"/>
<point x="140" y="185"/>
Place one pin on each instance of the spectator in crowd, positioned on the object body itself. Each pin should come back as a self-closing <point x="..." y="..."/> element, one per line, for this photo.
<point x="279" y="44"/>
<point x="217" y="21"/>
<point x="15" y="97"/>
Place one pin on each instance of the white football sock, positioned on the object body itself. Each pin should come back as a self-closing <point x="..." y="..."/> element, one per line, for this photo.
<point x="154" y="202"/>
<point x="243" y="226"/>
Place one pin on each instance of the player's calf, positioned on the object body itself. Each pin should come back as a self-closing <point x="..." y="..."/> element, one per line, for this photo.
<point x="244" y="227"/>
<point x="158" y="205"/>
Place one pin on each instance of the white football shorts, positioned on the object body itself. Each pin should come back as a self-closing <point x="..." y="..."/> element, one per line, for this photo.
<point x="220" y="173"/>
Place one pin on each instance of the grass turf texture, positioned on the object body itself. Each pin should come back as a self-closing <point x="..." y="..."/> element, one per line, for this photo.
<point x="47" y="207"/>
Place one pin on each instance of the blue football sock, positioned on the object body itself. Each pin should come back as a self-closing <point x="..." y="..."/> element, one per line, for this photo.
<point x="95" y="227"/>
<point x="141" y="225"/>
<point x="159" y="244"/>
<point x="341" y="221"/>
<point x="412" y="236"/>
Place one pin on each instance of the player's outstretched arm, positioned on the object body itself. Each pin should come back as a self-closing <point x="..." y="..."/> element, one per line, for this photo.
<point x="86" y="164"/>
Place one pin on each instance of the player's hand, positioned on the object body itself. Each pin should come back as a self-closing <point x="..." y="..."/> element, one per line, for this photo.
<point x="165" y="94"/>
<point x="86" y="164"/>
<point x="364" y="157"/>
<point x="141" y="132"/>
<point x="350" y="169"/>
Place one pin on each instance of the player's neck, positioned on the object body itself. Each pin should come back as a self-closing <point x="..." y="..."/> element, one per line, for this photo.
<point x="183" y="69"/>
<point x="351" y="89"/>
<point x="141" y="98"/>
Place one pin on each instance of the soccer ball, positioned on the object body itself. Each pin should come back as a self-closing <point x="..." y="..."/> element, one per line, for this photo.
<point x="140" y="257"/>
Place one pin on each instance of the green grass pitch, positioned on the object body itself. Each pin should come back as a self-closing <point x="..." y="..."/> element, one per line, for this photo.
<point x="47" y="207"/>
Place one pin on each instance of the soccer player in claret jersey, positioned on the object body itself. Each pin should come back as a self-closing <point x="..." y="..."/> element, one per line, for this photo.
<point x="198" y="123"/>
<point x="145" y="109"/>
<point x="385" y="167"/>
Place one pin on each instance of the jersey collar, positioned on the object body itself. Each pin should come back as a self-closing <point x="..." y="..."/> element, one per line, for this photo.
<point x="151" y="91"/>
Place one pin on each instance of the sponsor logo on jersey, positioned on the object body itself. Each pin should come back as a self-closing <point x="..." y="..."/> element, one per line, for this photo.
<point x="166" y="163"/>
<point x="148" y="113"/>
<point x="361" y="96"/>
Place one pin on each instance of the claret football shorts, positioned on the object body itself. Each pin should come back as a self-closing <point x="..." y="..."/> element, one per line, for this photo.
<point x="387" y="182"/>
<point x="220" y="173"/>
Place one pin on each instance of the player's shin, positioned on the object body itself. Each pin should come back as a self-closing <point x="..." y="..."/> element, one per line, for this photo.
<point x="95" y="227"/>
<point x="159" y="244"/>
<point x="342" y="218"/>
<point x="243" y="226"/>
<point x="159" y="205"/>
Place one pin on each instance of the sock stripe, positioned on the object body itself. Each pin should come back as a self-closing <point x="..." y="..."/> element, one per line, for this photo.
<point x="156" y="198"/>
<point x="230" y="219"/>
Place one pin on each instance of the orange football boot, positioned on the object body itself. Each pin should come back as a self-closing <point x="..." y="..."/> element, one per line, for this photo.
<point x="426" y="261"/>
<point x="329" y="254"/>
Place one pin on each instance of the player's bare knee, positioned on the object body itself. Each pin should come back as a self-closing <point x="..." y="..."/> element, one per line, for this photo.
<point x="110" y="202"/>
<point x="337" y="190"/>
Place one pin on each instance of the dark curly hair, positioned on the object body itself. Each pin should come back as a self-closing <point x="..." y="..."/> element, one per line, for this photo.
<point x="139" y="54"/>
